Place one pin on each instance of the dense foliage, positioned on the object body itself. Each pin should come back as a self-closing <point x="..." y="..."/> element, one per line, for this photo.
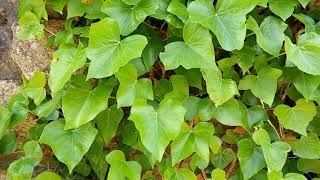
<point x="173" y="90"/>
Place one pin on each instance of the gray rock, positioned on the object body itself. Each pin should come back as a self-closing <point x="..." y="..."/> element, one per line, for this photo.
<point x="29" y="56"/>
<point x="7" y="88"/>
<point x="8" y="15"/>
<point x="18" y="57"/>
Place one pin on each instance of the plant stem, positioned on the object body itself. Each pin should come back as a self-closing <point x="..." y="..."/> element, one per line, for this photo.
<point x="276" y="56"/>
<point x="270" y="123"/>
<point x="49" y="31"/>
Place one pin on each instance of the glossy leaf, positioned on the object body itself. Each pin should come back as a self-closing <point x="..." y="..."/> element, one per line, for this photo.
<point x="30" y="27"/>
<point x="120" y="168"/>
<point x="275" y="153"/>
<point x="226" y="20"/>
<point x="179" y="174"/>
<point x="307" y="147"/>
<point x="68" y="61"/>
<point x="157" y="127"/>
<point x="270" y="34"/>
<point x="79" y="8"/>
<point x="223" y="158"/>
<point x="108" y="121"/>
<point x="35" y="88"/>
<point x="130" y="88"/>
<point x="264" y="85"/>
<point x="304" y="54"/>
<point x="106" y="50"/>
<point x="218" y="174"/>
<point x="47" y="175"/>
<point x="69" y="146"/>
<point x="250" y="158"/>
<point x="191" y="140"/>
<point x="5" y="117"/>
<point x="81" y="105"/>
<point x="23" y="167"/>
<point x="129" y="16"/>
<point x="220" y="90"/>
<point x="298" y="117"/>
<point x="195" y="52"/>
<point x="282" y="8"/>
<point x="18" y="105"/>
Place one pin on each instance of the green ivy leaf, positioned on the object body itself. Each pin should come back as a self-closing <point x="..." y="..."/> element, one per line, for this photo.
<point x="81" y="105"/>
<point x="180" y="88"/>
<point x="282" y="8"/>
<point x="231" y="113"/>
<point x="154" y="47"/>
<point x="308" y="22"/>
<point x="191" y="140"/>
<point x="162" y="13"/>
<point x="307" y="147"/>
<point x="96" y="156"/>
<point x="5" y="117"/>
<point x="30" y="27"/>
<point x="157" y="127"/>
<point x="129" y="16"/>
<point x="309" y="165"/>
<point x="177" y="8"/>
<point x="37" y="7"/>
<point x="179" y="174"/>
<point x="215" y="144"/>
<point x="23" y="167"/>
<point x="130" y="88"/>
<point x="264" y="85"/>
<point x="250" y="158"/>
<point x="35" y="88"/>
<point x="226" y="20"/>
<point x="69" y="146"/>
<point x="195" y="52"/>
<point x="18" y="105"/>
<point x="45" y="109"/>
<point x="90" y="9"/>
<point x="106" y="50"/>
<point x="220" y="90"/>
<point x="131" y="2"/>
<point x="193" y="76"/>
<point x="191" y="105"/>
<point x="223" y="158"/>
<point x="270" y="34"/>
<point x="247" y="56"/>
<point x="277" y="175"/>
<point x="304" y="3"/>
<point x="218" y="174"/>
<point x="120" y="168"/>
<point x="70" y="60"/>
<point x="57" y="5"/>
<point x="298" y="117"/>
<point x="305" y="83"/>
<point x="8" y="143"/>
<point x="256" y="115"/>
<point x="47" y="175"/>
<point x="275" y="154"/>
<point x="304" y="55"/>
<point x="108" y="121"/>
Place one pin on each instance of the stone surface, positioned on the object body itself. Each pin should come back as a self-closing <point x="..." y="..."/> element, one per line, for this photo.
<point x="7" y="87"/>
<point x="33" y="55"/>
<point x="8" y="69"/>
<point x="18" y="57"/>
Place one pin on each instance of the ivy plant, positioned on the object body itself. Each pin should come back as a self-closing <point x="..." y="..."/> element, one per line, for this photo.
<point x="170" y="89"/>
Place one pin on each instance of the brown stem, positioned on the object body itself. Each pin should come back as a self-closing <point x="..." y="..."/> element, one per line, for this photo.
<point x="231" y="168"/>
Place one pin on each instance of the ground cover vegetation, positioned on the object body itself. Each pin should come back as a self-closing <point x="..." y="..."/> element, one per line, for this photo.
<point x="171" y="89"/>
